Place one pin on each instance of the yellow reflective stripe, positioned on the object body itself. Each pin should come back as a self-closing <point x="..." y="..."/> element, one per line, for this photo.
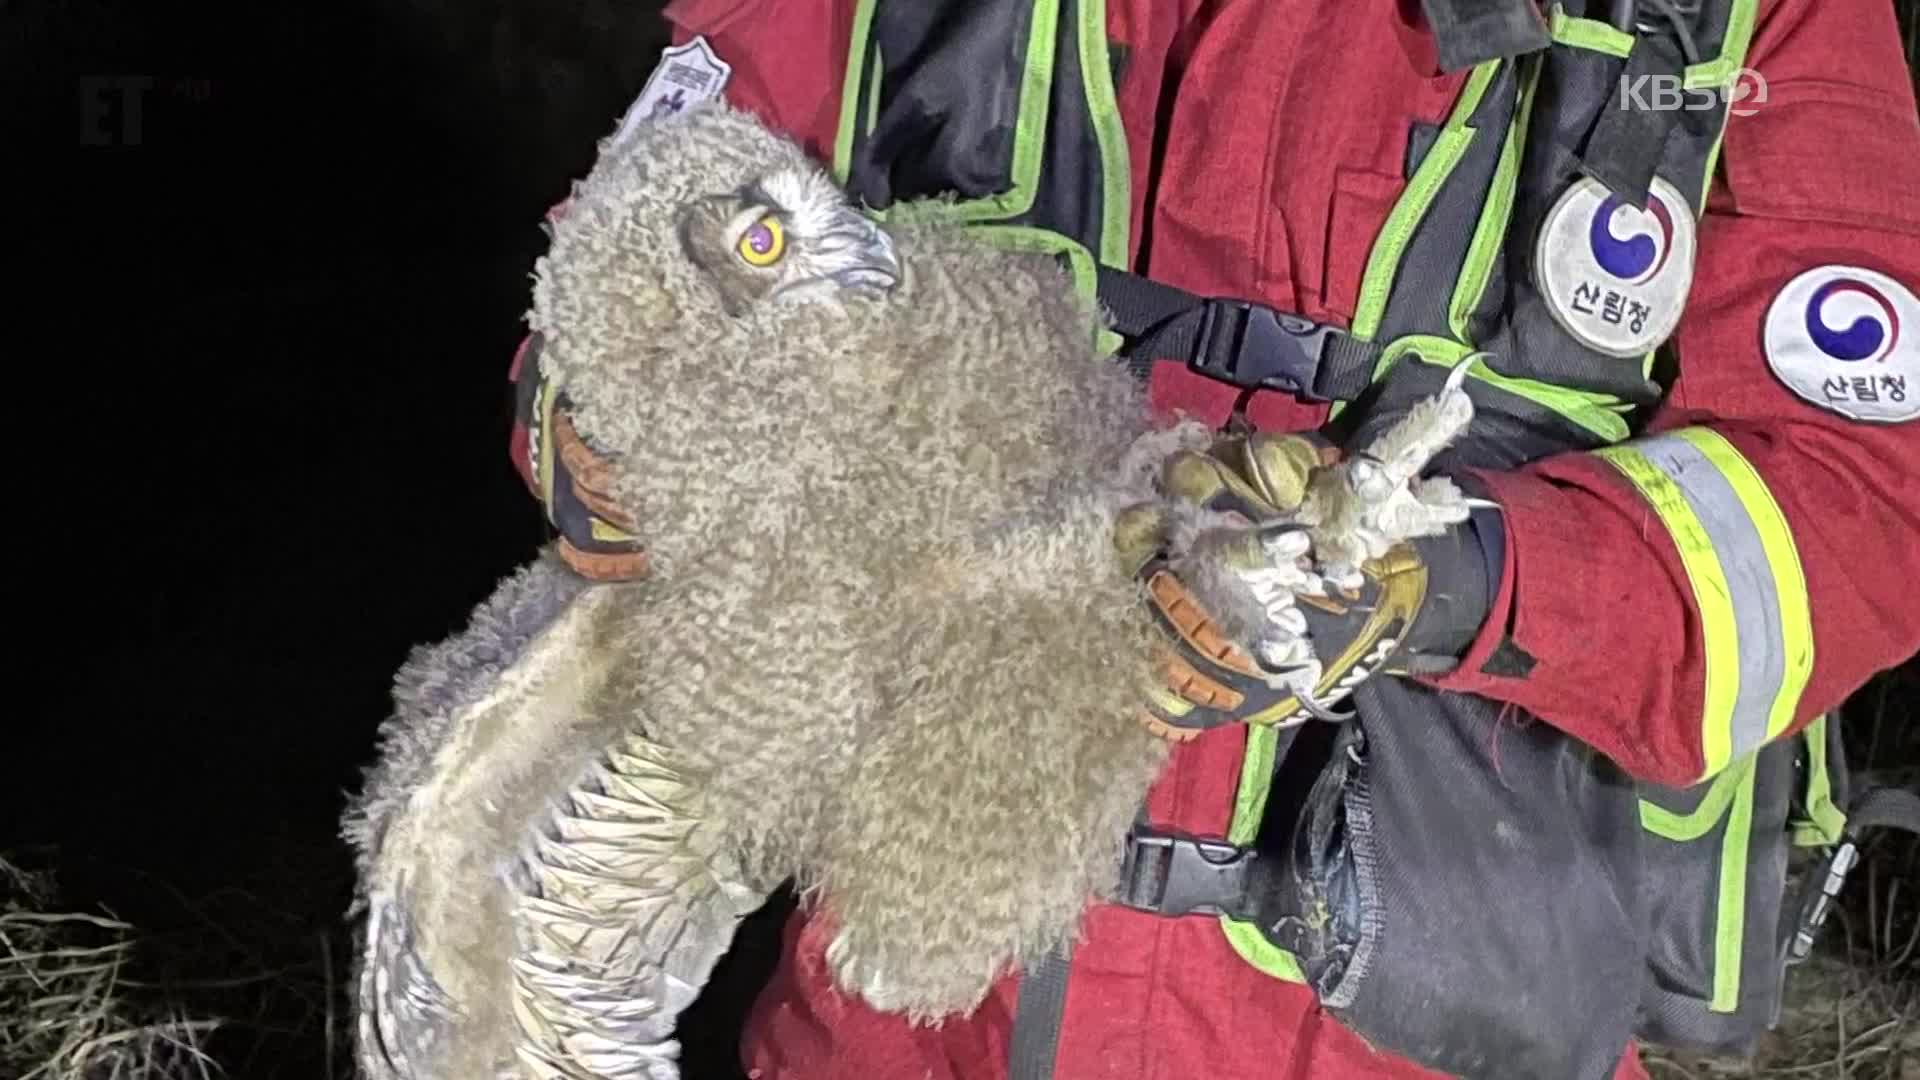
<point x="1783" y="559"/>
<point x="1712" y="602"/>
<point x="1696" y="823"/>
<point x="1744" y="572"/>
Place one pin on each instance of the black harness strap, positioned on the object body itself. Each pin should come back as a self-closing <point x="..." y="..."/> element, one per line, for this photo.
<point x="1627" y="143"/>
<point x="1470" y="32"/>
<point x="1037" y="1015"/>
<point x="1240" y="342"/>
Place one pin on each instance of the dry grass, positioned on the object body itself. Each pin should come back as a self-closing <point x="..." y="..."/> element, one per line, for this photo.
<point x="67" y="1010"/>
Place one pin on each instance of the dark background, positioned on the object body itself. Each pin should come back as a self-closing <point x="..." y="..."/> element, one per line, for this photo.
<point x="261" y="309"/>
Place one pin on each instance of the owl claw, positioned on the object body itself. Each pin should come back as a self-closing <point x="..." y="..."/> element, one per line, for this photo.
<point x="1319" y="711"/>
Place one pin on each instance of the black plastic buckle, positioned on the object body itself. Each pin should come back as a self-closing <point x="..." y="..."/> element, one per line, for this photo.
<point x="1175" y="875"/>
<point x="1258" y="348"/>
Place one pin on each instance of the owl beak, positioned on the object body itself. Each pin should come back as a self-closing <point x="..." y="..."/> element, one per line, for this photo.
<point x="870" y="261"/>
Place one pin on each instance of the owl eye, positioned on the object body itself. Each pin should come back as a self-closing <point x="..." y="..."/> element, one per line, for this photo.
<point x="764" y="242"/>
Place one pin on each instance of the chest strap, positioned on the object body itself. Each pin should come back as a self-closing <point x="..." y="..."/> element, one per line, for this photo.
<point x="1169" y="874"/>
<point x="1248" y="345"/>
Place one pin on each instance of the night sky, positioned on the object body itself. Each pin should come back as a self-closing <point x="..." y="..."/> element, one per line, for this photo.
<point x="269" y="269"/>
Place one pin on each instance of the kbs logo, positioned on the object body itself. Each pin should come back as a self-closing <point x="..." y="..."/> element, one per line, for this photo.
<point x="1742" y="95"/>
<point x="1841" y="337"/>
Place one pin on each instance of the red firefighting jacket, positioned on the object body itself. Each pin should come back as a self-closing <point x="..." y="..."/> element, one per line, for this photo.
<point x="1265" y="141"/>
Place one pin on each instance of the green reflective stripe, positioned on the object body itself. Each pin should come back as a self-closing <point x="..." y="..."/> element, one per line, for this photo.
<point x="1029" y="129"/>
<point x="850" y="89"/>
<point x="1249" y="806"/>
<point x="1696" y="823"/>
<point x="1745" y="576"/>
<point x="1256" y="777"/>
<point x="1255" y="949"/>
<point x="1116" y="167"/>
<point x="1721" y="69"/>
<point x="1824" y="821"/>
<point x="1729" y="799"/>
<point x="1080" y="263"/>
<point x="1383" y="262"/>
<point x="1029" y="138"/>
<point x="1590" y="34"/>
<point x="1489" y="234"/>
<point x="1593" y="411"/>
<point x="1730" y="916"/>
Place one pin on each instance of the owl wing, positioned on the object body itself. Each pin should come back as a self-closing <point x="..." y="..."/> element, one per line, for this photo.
<point x="535" y="906"/>
<point x="632" y="899"/>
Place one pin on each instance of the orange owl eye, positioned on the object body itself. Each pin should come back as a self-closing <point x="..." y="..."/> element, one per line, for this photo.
<point x="763" y="243"/>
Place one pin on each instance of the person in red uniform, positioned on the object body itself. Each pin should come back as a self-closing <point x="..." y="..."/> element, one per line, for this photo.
<point x="1265" y="141"/>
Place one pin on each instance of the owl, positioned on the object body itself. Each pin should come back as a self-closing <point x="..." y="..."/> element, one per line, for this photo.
<point x="884" y="649"/>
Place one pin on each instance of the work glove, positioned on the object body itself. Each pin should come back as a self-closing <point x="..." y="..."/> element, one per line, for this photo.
<point x="573" y="482"/>
<point x="1283" y="572"/>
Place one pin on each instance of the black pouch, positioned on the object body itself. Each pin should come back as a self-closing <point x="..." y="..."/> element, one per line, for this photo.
<point x="1498" y="924"/>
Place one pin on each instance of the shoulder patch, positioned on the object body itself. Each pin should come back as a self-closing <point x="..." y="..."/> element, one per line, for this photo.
<point x="686" y="75"/>
<point x="1615" y="277"/>
<point x="1848" y="340"/>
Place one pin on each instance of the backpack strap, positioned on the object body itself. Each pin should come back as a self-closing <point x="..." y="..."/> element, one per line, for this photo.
<point x="1240" y="342"/>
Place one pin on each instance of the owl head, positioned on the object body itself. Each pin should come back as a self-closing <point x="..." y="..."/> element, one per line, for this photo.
<point x="787" y="237"/>
<point x="756" y="357"/>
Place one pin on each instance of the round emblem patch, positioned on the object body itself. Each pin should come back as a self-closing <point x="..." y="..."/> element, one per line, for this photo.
<point x="1844" y="338"/>
<point x="1616" y="277"/>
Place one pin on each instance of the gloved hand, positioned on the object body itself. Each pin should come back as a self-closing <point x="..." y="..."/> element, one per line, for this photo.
<point x="1284" y="573"/>
<point x="573" y="482"/>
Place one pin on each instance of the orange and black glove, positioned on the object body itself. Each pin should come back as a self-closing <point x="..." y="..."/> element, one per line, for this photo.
<point x="1414" y="610"/>
<point x="572" y="481"/>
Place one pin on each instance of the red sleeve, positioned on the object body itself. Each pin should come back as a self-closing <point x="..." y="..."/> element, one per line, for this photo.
<point x="1600" y="629"/>
<point x="787" y="58"/>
